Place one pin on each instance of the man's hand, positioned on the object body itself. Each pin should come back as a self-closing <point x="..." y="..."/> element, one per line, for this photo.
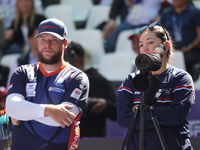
<point x="15" y="122"/>
<point x="98" y="105"/>
<point x="109" y="27"/>
<point x="60" y="114"/>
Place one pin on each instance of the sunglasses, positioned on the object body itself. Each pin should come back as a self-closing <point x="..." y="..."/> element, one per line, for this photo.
<point x="141" y="29"/>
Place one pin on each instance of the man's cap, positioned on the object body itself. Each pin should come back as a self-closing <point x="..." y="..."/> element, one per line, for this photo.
<point x="53" y="26"/>
<point x="3" y="92"/>
<point x="135" y="34"/>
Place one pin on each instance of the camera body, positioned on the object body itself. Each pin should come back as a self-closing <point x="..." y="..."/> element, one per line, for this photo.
<point x="152" y="62"/>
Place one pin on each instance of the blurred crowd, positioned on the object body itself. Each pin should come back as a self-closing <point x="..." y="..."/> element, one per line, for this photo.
<point x="19" y="20"/>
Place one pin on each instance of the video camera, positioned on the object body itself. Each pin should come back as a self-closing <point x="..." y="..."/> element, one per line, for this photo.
<point x="147" y="62"/>
<point x="144" y="82"/>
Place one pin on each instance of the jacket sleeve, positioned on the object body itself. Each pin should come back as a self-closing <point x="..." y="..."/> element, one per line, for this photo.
<point x="125" y="103"/>
<point x="183" y="97"/>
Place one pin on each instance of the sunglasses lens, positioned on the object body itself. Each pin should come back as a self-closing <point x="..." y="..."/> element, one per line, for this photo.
<point x="143" y="28"/>
<point x="153" y="24"/>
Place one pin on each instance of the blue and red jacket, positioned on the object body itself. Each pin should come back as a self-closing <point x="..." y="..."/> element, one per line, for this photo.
<point x="171" y="110"/>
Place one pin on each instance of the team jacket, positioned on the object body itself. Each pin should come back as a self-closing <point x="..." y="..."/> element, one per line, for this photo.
<point x="171" y="109"/>
<point x="66" y="84"/>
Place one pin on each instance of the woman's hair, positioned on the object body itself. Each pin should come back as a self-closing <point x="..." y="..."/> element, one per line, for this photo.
<point x="164" y="35"/>
<point x="18" y="15"/>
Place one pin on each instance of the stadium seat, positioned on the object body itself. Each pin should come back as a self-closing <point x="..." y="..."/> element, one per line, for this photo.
<point x="115" y="67"/>
<point x="92" y="42"/>
<point x="81" y="8"/>
<point x="97" y="15"/>
<point x="63" y="13"/>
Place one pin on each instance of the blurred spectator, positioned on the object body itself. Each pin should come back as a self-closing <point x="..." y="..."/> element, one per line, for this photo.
<point x="25" y="18"/>
<point x="134" y="38"/>
<point x="7" y="10"/>
<point x="46" y="3"/>
<point x="102" y="2"/>
<point x="182" y="21"/>
<point x="3" y="94"/>
<point x="137" y="13"/>
<point x="101" y="103"/>
<point x="5" y="125"/>
<point x="2" y="39"/>
<point x="29" y="57"/>
<point x="4" y="71"/>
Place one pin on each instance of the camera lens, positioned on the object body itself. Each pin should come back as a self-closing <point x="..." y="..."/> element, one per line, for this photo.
<point x="143" y="61"/>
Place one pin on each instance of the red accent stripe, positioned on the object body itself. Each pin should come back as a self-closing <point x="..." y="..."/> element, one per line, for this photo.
<point x="74" y="134"/>
<point x="136" y="100"/>
<point x="158" y="52"/>
<point x="163" y="99"/>
<point x="123" y="87"/>
<point x="52" y="73"/>
<point x="182" y="86"/>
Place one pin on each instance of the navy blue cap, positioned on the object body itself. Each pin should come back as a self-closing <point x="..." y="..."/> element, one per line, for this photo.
<point x="53" y="26"/>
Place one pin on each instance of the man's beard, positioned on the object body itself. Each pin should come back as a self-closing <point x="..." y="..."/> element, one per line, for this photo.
<point x="53" y="60"/>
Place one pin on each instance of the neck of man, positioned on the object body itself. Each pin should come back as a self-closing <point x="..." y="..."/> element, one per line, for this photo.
<point x="53" y="67"/>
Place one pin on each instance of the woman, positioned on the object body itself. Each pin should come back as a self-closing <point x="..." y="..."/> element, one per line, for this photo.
<point x="25" y="18"/>
<point x="172" y="106"/>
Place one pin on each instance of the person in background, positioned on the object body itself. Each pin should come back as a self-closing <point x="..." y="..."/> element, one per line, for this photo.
<point x="3" y="94"/>
<point x="102" y="2"/>
<point x="7" y="10"/>
<point x="182" y="22"/>
<point x="5" y="125"/>
<point x="4" y="72"/>
<point x="134" y="13"/>
<point x="29" y="57"/>
<point x="25" y="18"/>
<point x="46" y="99"/>
<point x="134" y="38"/>
<point x="175" y="100"/>
<point x="102" y="96"/>
<point x="46" y="3"/>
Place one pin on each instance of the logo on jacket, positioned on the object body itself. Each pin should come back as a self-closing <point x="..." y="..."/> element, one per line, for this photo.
<point x="56" y="89"/>
<point x="76" y="93"/>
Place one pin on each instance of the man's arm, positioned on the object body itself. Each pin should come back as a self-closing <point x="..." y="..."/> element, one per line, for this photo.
<point x="55" y="115"/>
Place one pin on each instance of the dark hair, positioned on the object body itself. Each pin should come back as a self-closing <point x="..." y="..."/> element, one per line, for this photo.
<point x="73" y="49"/>
<point x="162" y="34"/>
<point x="31" y="31"/>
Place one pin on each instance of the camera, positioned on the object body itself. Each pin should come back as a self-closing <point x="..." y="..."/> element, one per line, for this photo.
<point x="152" y="62"/>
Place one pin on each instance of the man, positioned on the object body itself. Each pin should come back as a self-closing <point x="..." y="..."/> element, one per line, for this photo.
<point x="45" y="100"/>
<point x="102" y="96"/>
<point x="182" y="22"/>
<point x="31" y="56"/>
<point x="134" y="38"/>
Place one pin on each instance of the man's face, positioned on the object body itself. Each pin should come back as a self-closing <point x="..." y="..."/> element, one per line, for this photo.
<point x="135" y="44"/>
<point x="33" y="43"/>
<point x="50" y="48"/>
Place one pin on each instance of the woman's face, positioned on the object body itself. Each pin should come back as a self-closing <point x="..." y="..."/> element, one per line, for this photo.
<point x="25" y="6"/>
<point x="148" y="42"/>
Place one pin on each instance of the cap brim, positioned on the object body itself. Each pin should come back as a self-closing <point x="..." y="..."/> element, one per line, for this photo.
<point x="134" y="36"/>
<point x="55" y="34"/>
